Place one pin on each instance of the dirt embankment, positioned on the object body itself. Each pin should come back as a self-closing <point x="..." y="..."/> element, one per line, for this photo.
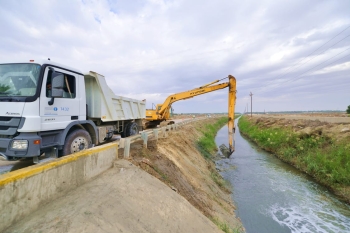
<point x="310" y="125"/>
<point x="176" y="162"/>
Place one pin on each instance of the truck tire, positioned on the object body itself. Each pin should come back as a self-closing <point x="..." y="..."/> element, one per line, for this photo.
<point x="131" y="129"/>
<point x="76" y="141"/>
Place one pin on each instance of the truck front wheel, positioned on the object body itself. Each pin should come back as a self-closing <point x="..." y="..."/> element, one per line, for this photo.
<point x="76" y="141"/>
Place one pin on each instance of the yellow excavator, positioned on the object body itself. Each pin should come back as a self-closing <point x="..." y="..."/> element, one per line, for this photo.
<point x="161" y="113"/>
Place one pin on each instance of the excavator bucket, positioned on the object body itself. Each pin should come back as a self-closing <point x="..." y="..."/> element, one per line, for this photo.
<point x="225" y="151"/>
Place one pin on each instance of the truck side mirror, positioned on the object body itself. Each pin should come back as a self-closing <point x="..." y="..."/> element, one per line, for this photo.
<point x="56" y="86"/>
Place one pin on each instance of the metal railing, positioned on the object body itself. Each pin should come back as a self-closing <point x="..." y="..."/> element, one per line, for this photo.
<point x="157" y="133"/>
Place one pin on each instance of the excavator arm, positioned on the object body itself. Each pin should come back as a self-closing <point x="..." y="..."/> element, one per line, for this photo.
<point x="165" y="107"/>
<point x="231" y="113"/>
<point x="162" y="111"/>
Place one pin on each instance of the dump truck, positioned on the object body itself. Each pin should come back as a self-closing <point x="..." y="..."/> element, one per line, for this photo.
<point x="48" y="109"/>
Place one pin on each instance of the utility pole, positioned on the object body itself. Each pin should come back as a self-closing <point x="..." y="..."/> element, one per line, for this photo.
<point x="251" y="103"/>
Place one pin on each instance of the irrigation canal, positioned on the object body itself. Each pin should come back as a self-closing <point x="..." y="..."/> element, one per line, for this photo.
<point x="273" y="197"/>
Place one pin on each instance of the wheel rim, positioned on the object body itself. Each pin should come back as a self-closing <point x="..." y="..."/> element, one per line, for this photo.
<point x="79" y="143"/>
<point x="134" y="130"/>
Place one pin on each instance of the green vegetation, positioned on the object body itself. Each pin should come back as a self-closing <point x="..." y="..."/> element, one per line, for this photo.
<point x="206" y="144"/>
<point x="219" y="180"/>
<point x="225" y="227"/>
<point x="348" y="110"/>
<point x="326" y="159"/>
<point x="164" y="176"/>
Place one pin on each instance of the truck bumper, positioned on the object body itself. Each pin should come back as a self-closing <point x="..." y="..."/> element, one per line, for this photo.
<point x="9" y="153"/>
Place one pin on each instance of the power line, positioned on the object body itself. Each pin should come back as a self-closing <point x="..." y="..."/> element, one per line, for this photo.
<point x="324" y="62"/>
<point x="321" y="64"/>
<point x="299" y="76"/>
<point x="288" y="70"/>
<point x="326" y="49"/>
<point x="316" y="50"/>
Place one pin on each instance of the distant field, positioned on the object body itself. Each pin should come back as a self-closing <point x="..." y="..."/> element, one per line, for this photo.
<point x="325" y="117"/>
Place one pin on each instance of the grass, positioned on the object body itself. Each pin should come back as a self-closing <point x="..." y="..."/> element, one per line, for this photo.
<point x="207" y="146"/>
<point x="225" y="227"/>
<point x="324" y="158"/>
<point x="206" y="143"/>
<point x="164" y="176"/>
<point x="218" y="180"/>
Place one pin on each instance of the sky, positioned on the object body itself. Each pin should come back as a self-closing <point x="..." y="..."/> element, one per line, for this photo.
<point x="291" y="55"/>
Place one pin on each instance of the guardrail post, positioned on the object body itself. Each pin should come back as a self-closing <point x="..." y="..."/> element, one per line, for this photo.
<point x="155" y="133"/>
<point x="121" y="143"/>
<point x="126" y="148"/>
<point x="144" y="136"/>
<point x="164" y="132"/>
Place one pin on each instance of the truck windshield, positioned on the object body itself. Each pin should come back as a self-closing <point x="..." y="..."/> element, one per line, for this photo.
<point x="19" y="79"/>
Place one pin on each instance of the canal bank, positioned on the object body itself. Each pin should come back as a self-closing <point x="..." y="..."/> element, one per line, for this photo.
<point x="178" y="162"/>
<point x="272" y="196"/>
<point x="318" y="148"/>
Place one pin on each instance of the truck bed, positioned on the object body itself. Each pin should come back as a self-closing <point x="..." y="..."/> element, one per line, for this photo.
<point x="105" y="105"/>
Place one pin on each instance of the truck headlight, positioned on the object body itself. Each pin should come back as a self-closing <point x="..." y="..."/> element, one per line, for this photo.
<point x="19" y="144"/>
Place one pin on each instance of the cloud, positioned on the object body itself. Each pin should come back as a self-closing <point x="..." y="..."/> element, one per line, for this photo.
<point x="151" y="49"/>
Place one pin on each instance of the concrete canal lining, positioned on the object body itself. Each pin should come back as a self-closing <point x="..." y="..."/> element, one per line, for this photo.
<point x="25" y="190"/>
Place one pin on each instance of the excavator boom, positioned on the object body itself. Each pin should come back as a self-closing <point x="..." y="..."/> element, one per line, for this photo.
<point x="162" y="112"/>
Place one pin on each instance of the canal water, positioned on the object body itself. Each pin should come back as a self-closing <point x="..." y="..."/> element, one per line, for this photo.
<point x="273" y="197"/>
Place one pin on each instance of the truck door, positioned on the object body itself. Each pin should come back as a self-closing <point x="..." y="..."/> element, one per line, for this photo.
<point x="64" y="110"/>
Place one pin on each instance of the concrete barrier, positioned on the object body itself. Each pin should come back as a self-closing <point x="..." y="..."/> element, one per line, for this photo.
<point x="24" y="190"/>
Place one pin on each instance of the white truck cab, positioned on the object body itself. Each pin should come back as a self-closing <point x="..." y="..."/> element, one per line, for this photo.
<point x="49" y="108"/>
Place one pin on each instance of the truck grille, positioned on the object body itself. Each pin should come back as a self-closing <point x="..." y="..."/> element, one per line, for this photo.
<point x="6" y="118"/>
<point x="9" y="126"/>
